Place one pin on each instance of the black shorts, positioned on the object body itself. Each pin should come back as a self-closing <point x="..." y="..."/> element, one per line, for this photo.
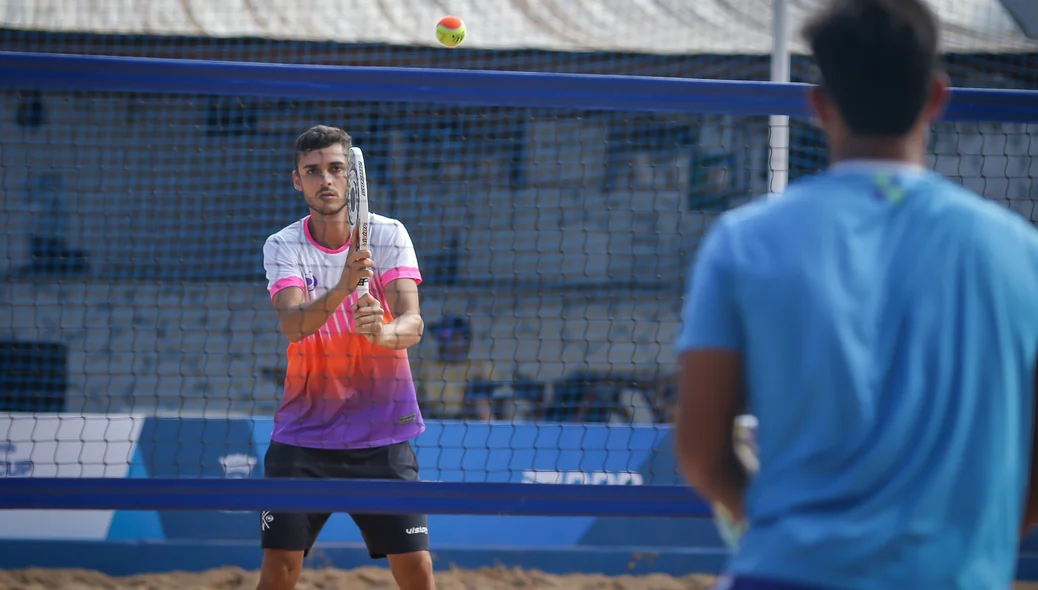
<point x="384" y="534"/>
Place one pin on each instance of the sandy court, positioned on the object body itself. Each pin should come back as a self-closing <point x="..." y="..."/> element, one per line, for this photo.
<point x="362" y="578"/>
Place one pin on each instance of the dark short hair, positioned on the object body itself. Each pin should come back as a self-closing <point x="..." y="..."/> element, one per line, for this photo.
<point x="877" y="60"/>
<point x="320" y="137"/>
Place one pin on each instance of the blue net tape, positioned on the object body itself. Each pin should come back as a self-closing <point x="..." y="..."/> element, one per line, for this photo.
<point x="351" y="496"/>
<point x="522" y="89"/>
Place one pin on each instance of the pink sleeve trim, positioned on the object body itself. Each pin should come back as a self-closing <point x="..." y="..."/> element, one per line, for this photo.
<point x="286" y="283"/>
<point x="401" y="272"/>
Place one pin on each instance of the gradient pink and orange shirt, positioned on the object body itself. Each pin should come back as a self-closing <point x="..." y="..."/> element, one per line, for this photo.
<point x="342" y="391"/>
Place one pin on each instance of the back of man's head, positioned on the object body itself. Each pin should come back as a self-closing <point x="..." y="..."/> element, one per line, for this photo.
<point x="877" y="59"/>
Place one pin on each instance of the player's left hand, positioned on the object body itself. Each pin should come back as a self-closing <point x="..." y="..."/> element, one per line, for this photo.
<point x="368" y="317"/>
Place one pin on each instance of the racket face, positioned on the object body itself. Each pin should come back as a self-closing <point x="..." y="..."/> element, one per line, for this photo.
<point x="356" y="184"/>
<point x="746" y="442"/>
<point x="357" y="203"/>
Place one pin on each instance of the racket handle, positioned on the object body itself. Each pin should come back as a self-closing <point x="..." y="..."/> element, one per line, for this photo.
<point x="362" y="288"/>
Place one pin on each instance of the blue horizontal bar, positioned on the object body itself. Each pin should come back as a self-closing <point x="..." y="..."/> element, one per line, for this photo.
<point x="349" y="83"/>
<point x="356" y="496"/>
<point x="463" y="87"/>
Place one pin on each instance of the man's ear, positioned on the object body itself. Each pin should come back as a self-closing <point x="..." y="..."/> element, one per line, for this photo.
<point x="297" y="182"/>
<point x="821" y="106"/>
<point x="939" y="95"/>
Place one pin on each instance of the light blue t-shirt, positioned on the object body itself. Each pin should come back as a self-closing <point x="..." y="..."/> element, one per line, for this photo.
<point x="888" y="324"/>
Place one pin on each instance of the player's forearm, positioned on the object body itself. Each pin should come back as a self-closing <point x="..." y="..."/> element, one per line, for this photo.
<point x="1031" y="498"/>
<point x="403" y="332"/>
<point x="1030" y="516"/>
<point x="300" y="321"/>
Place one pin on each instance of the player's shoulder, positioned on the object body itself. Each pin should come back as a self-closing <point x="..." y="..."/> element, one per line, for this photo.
<point x="386" y="228"/>
<point x="288" y="236"/>
<point x="979" y="215"/>
<point x="994" y="224"/>
<point x="799" y="195"/>
<point x="746" y="216"/>
<point x="380" y="220"/>
<point x="987" y="213"/>
<point x="808" y="201"/>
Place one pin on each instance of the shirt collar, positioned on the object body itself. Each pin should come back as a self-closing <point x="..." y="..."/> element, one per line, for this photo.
<point x="875" y="166"/>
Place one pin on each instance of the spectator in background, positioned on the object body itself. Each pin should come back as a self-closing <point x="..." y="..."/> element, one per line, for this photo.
<point x="664" y="398"/>
<point x="449" y="383"/>
<point x="528" y="400"/>
<point x="583" y="397"/>
<point x="612" y="398"/>
<point x="634" y="401"/>
<point x="518" y="400"/>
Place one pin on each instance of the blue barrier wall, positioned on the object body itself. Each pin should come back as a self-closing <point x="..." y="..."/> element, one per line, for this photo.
<point x="447" y="451"/>
<point x="126" y="542"/>
<point x="123" y="542"/>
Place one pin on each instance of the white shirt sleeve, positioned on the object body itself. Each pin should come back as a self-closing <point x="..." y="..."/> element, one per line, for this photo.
<point x="281" y="265"/>
<point x="395" y="256"/>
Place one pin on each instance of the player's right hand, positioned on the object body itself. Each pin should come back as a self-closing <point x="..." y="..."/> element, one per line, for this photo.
<point x="731" y="530"/>
<point x="359" y="265"/>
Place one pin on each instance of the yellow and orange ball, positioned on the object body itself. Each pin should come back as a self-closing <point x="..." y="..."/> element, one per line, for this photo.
<point x="450" y="31"/>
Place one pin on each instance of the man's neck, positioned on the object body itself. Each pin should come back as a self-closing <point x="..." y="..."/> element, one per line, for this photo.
<point x="330" y="232"/>
<point x="899" y="151"/>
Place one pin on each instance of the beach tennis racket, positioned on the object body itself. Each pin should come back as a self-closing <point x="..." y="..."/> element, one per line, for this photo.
<point x="357" y="204"/>
<point x="746" y="450"/>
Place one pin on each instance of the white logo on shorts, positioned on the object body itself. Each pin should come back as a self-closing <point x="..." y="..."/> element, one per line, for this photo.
<point x="265" y="519"/>
<point x="418" y="530"/>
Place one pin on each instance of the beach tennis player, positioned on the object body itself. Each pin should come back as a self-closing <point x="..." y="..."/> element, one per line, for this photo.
<point x="349" y="408"/>
<point x="881" y="323"/>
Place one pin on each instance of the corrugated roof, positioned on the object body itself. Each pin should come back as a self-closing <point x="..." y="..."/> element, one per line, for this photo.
<point x="651" y="26"/>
